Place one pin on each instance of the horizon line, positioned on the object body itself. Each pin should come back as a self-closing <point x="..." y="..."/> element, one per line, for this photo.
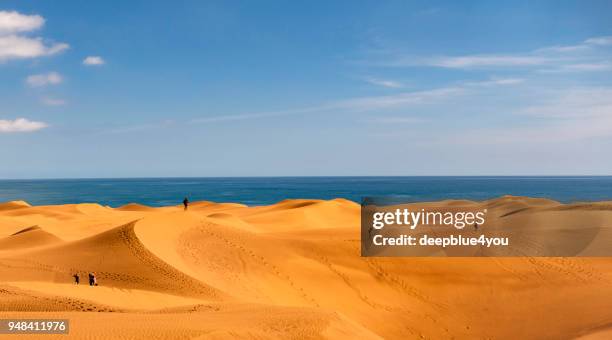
<point x="294" y="176"/>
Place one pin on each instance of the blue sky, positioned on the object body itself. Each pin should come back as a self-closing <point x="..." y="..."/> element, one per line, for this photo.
<point x="220" y="88"/>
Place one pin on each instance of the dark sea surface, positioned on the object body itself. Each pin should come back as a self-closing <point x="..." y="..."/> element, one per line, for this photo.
<point x="267" y="190"/>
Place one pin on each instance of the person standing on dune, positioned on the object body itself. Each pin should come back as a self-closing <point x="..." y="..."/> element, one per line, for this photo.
<point x="186" y="203"/>
<point x="77" y="278"/>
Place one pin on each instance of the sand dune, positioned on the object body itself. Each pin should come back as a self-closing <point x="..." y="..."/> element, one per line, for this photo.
<point x="27" y="238"/>
<point x="125" y="299"/>
<point x="290" y="270"/>
<point x="116" y="256"/>
<point x="13" y="205"/>
<point x="135" y="207"/>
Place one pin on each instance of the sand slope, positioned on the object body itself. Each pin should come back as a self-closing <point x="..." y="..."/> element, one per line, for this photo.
<point x="290" y="270"/>
<point x="28" y="238"/>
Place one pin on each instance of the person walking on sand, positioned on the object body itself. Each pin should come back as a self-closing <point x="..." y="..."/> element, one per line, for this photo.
<point x="186" y="203"/>
<point x="77" y="278"/>
<point x="92" y="279"/>
<point x="95" y="280"/>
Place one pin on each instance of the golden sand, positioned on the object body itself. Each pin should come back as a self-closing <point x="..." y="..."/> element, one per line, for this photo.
<point x="289" y="270"/>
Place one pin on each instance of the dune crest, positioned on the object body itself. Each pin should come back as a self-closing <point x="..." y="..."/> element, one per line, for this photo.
<point x="14" y="205"/>
<point x="135" y="207"/>
<point x="29" y="237"/>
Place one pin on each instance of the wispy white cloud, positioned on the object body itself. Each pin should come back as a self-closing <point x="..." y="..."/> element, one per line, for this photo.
<point x="466" y="61"/>
<point x="406" y="99"/>
<point x="553" y="134"/>
<point x="411" y="98"/>
<point x="372" y="103"/>
<point x="562" y="116"/>
<point x="580" y="67"/>
<point x="599" y="40"/>
<point x="38" y="80"/>
<point x="589" y="55"/>
<point x="474" y="61"/>
<point x="247" y="116"/>
<point x="138" y="128"/>
<point x="564" y="48"/>
<point x="398" y="100"/>
<point x="49" y="101"/>
<point x="395" y="120"/>
<point x="20" y="125"/>
<point x="384" y="82"/>
<point x="15" y="22"/>
<point x="585" y="103"/>
<point x="14" y="44"/>
<point x="94" y="61"/>
<point x="496" y="82"/>
<point x="353" y="104"/>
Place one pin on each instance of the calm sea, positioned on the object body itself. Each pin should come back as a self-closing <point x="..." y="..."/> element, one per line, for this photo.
<point x="267" y="190"/>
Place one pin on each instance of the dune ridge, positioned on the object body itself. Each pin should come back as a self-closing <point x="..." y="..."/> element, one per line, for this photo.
<point x="29" y="237"/>
<point x="12" y="205"/>
<point x="289" y="270"/>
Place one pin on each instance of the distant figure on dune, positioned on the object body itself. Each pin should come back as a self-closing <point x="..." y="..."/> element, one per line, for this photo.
<point x="77" y="278"/>
<point x="92" y="279"/>
<point x="186" y="203"/>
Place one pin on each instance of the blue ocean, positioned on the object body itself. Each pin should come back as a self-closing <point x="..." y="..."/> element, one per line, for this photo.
<point x="268" y="190"/>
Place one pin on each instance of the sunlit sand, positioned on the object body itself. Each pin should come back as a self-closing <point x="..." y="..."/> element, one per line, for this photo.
<point x="289" y="270"/>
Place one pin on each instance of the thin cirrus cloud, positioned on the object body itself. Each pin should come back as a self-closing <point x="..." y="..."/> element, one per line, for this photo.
<point x="585" y="67"/>
<point x="401" y="100"/>
<point x="396" y="120"/>
<point x="384" y="82"/>
<point x="39" y="80"/>
<point x="467" y="61"/>
<point x="49" y="101"/>
<point x="20" y="125"/>
<point x="496" y="82"/>
<point x="589" y="108"/>
<point x="599" y="41"/>
<point x="15" y="44"/>
<point x="585" y="103"/>
<point x="571" y="115"/>
<point x="94" y="61"/>
<point x="592" y="54"/>
<point x="486" y="61"/>
<point x="372" y="103"/>
<point x="410" y="98"/>
<point x="357" y="104"/>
